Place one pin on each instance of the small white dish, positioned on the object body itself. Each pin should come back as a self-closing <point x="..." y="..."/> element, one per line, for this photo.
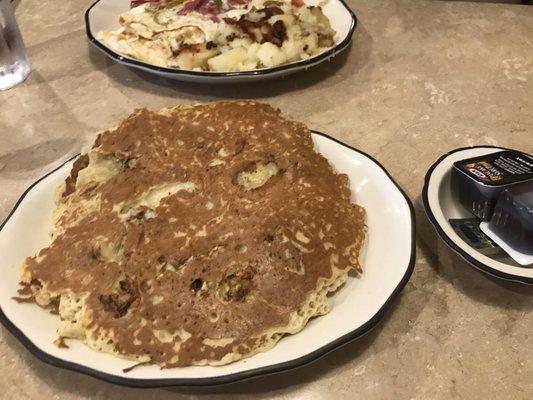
<point x="440" y="206"/>
<point x="103" y="16"/>
<point x="388" y="261"/>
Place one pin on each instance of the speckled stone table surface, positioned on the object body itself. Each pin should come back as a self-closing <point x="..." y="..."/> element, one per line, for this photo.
<point x="420" y="78"/>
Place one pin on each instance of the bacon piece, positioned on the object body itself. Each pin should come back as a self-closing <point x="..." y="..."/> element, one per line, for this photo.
<point x="275" y="34"/>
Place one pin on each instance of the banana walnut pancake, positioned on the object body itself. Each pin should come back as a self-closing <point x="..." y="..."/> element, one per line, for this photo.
<point x="196" y="235"/>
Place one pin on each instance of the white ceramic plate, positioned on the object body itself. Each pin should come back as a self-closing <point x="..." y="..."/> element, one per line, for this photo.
<point x="387" y="260"/>
<point x="103" y="16"/>
<point x="440" y="206"/>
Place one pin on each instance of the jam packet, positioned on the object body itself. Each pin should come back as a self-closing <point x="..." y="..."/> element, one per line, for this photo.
<point x="468" y="230"/>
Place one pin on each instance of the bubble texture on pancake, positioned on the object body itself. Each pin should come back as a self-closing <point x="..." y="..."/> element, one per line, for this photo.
<point x="197" y="235"/>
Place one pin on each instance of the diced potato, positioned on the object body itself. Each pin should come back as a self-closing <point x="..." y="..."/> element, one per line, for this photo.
<point x="248" y="65"/>
<point x="191" y="60"/>
<point x="305" y="15"/>
<point x="228" y="61"/>
<point x="293" y="48"/>
<point x="240" y="42"/>
<point x="312" y="43"/>
<point x="252" y="51"/>
<point x="270" y="55"/>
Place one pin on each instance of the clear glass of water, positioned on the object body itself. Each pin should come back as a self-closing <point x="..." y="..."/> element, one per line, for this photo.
<point x="14" y="64"/>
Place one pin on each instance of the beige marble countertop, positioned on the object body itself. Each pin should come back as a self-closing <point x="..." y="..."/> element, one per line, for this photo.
<point x="421" y="78"/>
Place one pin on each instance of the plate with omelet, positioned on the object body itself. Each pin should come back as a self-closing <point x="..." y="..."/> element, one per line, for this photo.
<point x="201" y="245"/>
<point x="220" y="40"/>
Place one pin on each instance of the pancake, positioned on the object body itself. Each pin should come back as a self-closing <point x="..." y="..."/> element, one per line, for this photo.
<point x="196" y="235"/>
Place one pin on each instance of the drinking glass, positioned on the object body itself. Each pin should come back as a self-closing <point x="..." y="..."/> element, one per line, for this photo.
<point x="14" y="64"/>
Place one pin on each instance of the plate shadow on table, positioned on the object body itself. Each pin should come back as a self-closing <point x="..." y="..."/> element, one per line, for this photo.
<point x="345" y="64"/>
<point x="36" y="156"/>
<point x="473" y="283"/>
<point x="48" y="149"/>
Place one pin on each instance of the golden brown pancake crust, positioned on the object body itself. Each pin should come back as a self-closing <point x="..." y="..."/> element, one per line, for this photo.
<point x="219" y="261"/>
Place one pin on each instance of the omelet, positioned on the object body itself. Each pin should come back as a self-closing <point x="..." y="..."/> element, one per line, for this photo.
<point x="221" y="35"/>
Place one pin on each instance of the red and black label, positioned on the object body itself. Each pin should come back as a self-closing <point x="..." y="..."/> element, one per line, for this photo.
<point x="498" y="168"/>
